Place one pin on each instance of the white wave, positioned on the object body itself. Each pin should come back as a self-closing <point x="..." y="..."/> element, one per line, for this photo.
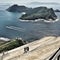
<point x="31" y="20"/>
<point x="5" y="39"/>
<point x="24" y="20"/>
<point x="23" y="13"/>
<point x="15" y="28"/>
<point x="37" y="20"/>
<point x="51" y="20"/>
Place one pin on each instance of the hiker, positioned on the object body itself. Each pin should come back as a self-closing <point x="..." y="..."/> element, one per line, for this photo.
<point x="26" y="49"/>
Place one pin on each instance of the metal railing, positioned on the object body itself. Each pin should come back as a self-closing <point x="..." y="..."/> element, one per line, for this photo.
<point x="56" y="55"/>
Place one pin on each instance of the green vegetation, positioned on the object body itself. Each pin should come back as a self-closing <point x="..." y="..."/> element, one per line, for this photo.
<point x="39" y="13"/>
<point x="17" y="8"/>
<point x="11" y="45"/>
<point x="2" y="42"/>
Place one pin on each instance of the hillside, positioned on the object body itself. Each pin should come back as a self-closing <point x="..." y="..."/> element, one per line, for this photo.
<point x="17" y="8"/>
<point x="2" y="42"/>
<point x="8" y="45"/>
<point x="40" y="13"/>
<point x="39" y="50"/>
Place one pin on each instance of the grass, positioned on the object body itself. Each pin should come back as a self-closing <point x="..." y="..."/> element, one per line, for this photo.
<point x="11" y="45"/>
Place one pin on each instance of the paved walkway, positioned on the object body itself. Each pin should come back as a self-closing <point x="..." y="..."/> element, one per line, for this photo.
<point x="39" y="50"/>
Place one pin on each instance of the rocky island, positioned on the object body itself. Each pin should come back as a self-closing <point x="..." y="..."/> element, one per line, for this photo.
<point x="39" y="13"/>
<point x="16" y="8"/>
<point x="57" y="10"/>
<point x="34" y="13"/>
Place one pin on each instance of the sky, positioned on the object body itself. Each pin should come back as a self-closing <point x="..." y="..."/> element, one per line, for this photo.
<point x="26" y="1"/>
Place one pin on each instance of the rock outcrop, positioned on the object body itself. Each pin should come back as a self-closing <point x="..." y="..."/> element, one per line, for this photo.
<point x="57" y="10"/>
<point x="16" y="8"/>
<point x="39" y="13"/>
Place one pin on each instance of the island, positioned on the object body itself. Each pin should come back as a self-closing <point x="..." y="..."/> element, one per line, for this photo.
<point x="57" y="10"/>
<point x="17" y="8"/>
<point x="39" y="13"/>
<point x="34" y="13"/>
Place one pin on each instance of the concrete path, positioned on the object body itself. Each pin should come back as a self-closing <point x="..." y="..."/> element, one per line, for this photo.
<point x="39" y="50"/>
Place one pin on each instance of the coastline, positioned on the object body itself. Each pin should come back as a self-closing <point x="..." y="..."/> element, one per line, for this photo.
<point x="38" y="20"/>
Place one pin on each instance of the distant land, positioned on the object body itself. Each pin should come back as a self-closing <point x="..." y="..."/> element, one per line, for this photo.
<point x="57" y="10"/>
<point x="17" y="8"/>
<point x="34" y="13"/>
<point x="40" y="13"/>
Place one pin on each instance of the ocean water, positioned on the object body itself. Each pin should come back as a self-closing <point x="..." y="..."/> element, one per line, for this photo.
<point x="11" y="27"/>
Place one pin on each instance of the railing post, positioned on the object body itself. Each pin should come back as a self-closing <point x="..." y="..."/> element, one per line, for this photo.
<point x="58" y="58"/>
<point x="2" y="55"/>
<point x="54" y="55"/>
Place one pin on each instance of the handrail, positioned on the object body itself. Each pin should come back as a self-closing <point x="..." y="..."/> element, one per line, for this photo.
<point x="54" y="54"/>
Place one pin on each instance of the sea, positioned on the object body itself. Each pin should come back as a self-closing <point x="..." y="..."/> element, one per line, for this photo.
<point x="12" y="27"/>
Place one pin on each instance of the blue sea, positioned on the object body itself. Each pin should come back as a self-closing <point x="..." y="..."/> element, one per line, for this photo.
<point x="11" y="27"/>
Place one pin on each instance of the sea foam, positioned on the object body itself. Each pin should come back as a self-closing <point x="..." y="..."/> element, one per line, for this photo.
<point x="4" y="39"/>
<point x="38" y="20"/>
